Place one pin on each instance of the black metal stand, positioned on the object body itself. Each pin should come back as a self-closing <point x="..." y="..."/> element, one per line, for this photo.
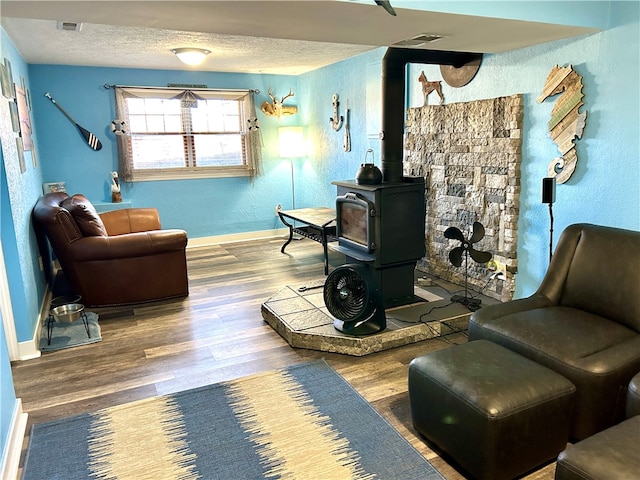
<point x="466" y="300"/>
<point x="323" y="233"/>
<point x="549" y="196"/>
<point x="550" y="231"/>
<point x="51" y="321"/>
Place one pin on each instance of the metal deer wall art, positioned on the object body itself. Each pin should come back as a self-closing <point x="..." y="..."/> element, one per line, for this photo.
<point x="276" y="107"/>
<point x="567" y="122"/>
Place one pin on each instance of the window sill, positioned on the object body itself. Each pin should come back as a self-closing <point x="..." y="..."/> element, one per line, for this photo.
<point x="190" y="174"/>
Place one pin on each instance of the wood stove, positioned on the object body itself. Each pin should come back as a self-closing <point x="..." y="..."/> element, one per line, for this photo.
<point x="382" y="227"/>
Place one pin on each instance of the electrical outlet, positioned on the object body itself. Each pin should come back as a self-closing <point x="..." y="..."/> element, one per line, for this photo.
<point x="499" y="275"/>
<point x="278" y="209"/>
<point x="499" y="269"/>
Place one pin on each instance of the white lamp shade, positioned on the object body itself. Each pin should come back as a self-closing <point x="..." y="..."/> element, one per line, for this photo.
<point x="291" y="140"/>
<point x="191" y="56"/>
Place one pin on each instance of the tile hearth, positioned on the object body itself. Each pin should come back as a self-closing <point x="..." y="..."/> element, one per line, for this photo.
<point x="300" y="316"/>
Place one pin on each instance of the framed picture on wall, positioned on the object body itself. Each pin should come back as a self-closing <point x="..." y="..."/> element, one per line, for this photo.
<point x="27" y="95"/>
<point x="23" y="165"/>
<point x="25" y="119"/>
<point x="7" y="80"/>
<point x="53" y="187"/>
<point x="15" y="118"/>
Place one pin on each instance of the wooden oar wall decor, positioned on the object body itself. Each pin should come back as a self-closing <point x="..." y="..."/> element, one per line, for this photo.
<point x="567" y="122"/>
<point x="89" y="137"/>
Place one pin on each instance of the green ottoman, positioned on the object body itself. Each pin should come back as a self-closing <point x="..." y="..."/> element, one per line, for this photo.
<point x="496" y="413"/>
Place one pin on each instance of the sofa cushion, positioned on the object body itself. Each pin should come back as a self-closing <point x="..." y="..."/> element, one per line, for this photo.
<point x="562" y="335"/>
<point x="85" y="215"/>
<point x="610" y="454"/>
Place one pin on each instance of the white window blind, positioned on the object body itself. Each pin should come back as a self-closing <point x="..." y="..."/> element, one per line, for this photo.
<point x="173" y="133"/>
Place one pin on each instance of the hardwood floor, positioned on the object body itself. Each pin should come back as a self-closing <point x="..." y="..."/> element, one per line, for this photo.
<point x="215" y="334"/>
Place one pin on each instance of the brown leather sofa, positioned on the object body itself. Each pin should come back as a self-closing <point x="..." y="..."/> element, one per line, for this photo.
<point x="120" y="257"/>
<point x="583" y="322"/>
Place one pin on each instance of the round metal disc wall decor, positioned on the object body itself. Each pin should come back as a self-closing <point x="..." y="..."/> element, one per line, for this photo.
<point x="460" y="76"/>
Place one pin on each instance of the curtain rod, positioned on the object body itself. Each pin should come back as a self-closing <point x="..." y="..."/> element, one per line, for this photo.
<point x="183" y="87"/>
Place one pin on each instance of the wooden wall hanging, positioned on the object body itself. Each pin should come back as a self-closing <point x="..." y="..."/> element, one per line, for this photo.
<point x="567" y="122"/>
<point x="276" y="107"/>
<point x="460" y="76"/>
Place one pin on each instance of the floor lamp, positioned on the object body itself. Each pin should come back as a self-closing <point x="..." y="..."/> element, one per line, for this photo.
<point x="291" y="140"/>
<point x="549" y="196"/>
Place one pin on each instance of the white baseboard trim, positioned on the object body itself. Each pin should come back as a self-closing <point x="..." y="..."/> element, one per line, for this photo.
<point x="31" y="348"/>
<point x="13" y="448"/>
<point x="236" y="237"/>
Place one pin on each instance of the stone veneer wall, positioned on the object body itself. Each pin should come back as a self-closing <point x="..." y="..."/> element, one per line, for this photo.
<point x="470" y="155"/>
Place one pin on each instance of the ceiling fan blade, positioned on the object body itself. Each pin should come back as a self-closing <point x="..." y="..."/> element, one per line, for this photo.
<point x="454" y="233"/>
<point x="387" y="6"/>
<point x="455" y="256"/>
<point x="478" y="232"/>
<point x="478" y="256"/>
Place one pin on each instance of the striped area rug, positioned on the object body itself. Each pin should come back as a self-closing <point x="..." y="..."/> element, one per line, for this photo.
<point x="302" y="422"/>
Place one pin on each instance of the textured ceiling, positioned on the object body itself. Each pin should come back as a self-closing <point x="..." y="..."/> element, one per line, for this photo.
<point x="137" y="47"/>
<point x="280" y="37"/>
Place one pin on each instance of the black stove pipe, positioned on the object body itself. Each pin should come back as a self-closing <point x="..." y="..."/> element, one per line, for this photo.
<point x="393" y="102"/>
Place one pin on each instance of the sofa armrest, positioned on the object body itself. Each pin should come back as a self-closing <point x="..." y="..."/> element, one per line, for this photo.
<point x="633" y="397"/>
<point x="131" y="220"/>
<point x="503" y="309"/>
<point x="131" y="245"/>
<point x="553" y="283"/>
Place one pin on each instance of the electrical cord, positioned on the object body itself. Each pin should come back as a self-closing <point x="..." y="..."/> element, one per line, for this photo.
<point x="436" y="334"/>
<point x="497" y="274"/>
<point x="304" y="288"/>
<point x="474" y="293"/>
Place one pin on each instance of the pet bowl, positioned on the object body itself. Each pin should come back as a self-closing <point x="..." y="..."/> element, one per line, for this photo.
<point x="65" y="300"/>
<point x="67" y="313"/>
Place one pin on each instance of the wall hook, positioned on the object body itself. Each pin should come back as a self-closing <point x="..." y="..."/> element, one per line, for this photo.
<point x="337" y="119"/>
<point x="346" y="143"/>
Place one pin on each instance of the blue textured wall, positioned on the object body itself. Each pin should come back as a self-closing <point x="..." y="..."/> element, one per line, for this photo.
<point x="327" y="160"/>
<point x="605" y="187"/>
<point x="26" y="284"/>
<point x="205" y="207"/>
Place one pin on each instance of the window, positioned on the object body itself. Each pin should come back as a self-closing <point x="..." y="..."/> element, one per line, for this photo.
<point x="175" y="133"/>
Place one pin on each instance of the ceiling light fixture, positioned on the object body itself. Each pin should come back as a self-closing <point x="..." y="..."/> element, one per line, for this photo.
<point x="191" y="56"/>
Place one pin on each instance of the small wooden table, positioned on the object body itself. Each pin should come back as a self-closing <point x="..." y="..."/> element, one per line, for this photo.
<point x="317" y="227"/>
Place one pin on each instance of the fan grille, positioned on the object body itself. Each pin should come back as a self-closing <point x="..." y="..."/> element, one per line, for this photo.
<point x="345" y="294"/>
